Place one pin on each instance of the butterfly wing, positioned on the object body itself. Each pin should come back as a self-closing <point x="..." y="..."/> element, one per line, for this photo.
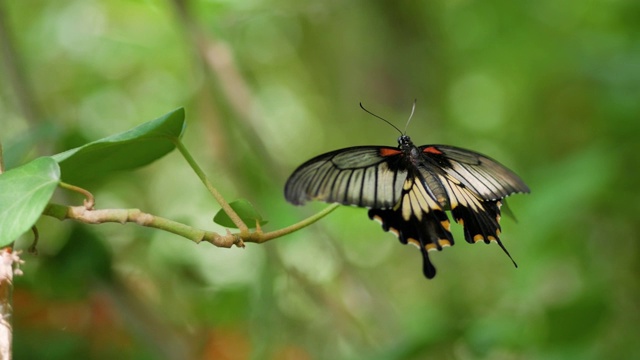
<point x="484" y="176"/>
<point x="365" y="176"/>
<point x="417" y="219"/>
<point x="474" y="184"/>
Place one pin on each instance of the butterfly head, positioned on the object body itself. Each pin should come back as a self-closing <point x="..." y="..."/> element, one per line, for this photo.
<point x="404" y="142"/>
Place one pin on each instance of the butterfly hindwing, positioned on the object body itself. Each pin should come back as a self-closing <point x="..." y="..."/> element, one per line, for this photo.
<point x="418" y="220"/>
<point x="482" y="226"/>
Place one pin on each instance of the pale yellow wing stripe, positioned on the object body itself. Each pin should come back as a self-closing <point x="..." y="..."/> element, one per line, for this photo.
<point x="459" y="195"/>
<point x="416" y="200"/>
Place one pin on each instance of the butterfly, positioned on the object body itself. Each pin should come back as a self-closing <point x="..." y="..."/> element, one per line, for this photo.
<point x="409" y="188"/>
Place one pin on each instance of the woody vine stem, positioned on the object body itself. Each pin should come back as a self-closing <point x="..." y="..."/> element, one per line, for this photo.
<point x="87" y="214"/>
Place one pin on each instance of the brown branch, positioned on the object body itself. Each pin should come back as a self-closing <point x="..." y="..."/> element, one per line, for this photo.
<point x="122" y="216"/>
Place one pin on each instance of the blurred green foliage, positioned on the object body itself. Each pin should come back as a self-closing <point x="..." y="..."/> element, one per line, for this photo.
<point x="548" y="88"/>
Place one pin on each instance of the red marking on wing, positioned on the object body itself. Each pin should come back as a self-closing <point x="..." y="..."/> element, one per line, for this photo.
<point x="432" y="150"/>
<point x="389" y="152"/>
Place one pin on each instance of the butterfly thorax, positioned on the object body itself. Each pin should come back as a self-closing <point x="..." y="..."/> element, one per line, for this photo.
<point x="428" y="175"/>
<point x="411" y="152"/>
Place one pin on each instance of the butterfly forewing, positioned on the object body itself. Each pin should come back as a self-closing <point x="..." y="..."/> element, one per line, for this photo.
<point x="484" y="176"/>
<point x="359" y="176"/>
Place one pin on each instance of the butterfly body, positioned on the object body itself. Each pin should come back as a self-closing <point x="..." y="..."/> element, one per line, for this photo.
<point x="408" y="189"/>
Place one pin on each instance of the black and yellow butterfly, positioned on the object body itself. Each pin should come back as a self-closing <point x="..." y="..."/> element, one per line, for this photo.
<point x="409" y="188"/>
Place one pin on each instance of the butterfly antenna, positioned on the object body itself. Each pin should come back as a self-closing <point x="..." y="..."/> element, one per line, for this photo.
<point x="372" y="114"/>
<point x="413" y="109"/>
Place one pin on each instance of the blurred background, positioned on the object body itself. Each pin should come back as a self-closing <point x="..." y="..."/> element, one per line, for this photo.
<point x="548" y="88"/>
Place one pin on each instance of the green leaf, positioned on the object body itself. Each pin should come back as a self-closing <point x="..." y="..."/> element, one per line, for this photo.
<point x="245" y="210"/>
<point x="127" y="150"/>
<point x="24" y="193"/>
